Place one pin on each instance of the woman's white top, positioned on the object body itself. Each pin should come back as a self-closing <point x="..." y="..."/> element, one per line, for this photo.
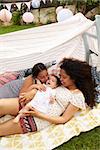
<point x="63" y="98"/>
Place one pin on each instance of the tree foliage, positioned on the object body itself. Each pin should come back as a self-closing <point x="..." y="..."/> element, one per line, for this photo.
<point x="88" y="7"/>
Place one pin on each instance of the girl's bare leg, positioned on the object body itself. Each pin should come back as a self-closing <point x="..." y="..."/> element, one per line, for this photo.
<point x="21" y="113"/>
<point x="9" y="106"/>
<point x="10" y="128"/>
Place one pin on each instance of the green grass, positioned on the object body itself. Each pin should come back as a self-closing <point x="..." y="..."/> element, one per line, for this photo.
<point x="12" y="28"/>
<point x="85" y="141"/>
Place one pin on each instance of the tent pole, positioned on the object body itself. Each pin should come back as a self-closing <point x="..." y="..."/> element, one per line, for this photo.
<point x="87" y="51"/>
<point x="97" y="19"/>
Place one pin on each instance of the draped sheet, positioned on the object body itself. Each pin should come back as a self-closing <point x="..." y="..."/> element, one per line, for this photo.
<point x="22" y="49"/>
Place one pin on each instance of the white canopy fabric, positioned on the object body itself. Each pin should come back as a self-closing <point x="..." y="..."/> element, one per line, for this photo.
<point x="22" y="49"/>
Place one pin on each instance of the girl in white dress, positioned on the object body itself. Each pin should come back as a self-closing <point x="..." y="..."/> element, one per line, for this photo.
<point x="43" y="99"/>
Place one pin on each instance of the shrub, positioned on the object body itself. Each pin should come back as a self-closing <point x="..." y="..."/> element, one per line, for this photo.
<point x="16" y="18"/>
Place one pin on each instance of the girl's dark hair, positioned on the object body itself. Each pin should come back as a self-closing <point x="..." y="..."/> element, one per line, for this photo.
<point x="80" y="72"/>
<point x="58" y="80"/>
<point x="37" y="69"/>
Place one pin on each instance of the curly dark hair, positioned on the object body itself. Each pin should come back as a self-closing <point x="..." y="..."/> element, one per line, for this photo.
<point x="80" y="72"/>
<point x="37" y="69"/>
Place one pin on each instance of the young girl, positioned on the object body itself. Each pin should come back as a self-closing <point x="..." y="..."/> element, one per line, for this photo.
<point x="42" y="99"/>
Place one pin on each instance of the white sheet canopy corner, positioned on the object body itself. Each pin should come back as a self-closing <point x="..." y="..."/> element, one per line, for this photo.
<point x="94" y="36"/>
<point x="22" y="49"/>
<point x="98" y="37"/>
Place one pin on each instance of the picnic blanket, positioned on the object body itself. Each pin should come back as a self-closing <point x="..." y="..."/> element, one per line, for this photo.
<point x="54" y="135"/>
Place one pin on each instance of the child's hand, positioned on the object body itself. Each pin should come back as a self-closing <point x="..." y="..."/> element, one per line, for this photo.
<point x="52" y="100"/>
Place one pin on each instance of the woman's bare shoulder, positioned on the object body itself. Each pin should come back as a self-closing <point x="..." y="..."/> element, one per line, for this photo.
<point x="29" y="79"/>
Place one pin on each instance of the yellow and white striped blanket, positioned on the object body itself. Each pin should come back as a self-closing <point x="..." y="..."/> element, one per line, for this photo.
<point x="54" y="135"/>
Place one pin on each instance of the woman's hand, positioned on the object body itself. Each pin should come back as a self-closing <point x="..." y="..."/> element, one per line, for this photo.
<point x="32" y="112"/>
<point x="40" y="87"/>
<point x="26" y="97"/>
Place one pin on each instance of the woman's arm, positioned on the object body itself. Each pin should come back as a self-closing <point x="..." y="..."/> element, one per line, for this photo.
<point x="27" y="96"/>
<point x="27" y="83"/>
<point x="67" y="115"/>
<point x="39" y="87"/>
<point x="29" y="89"/>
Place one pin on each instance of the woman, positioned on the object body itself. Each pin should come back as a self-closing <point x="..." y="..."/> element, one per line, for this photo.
<point x="77" y="91"/>
<point x="16" y="88"/>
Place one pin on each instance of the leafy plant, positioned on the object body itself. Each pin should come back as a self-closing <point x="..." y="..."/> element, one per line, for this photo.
<point x="16" y="18"/>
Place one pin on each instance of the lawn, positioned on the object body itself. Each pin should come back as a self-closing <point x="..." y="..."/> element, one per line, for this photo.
<point x="12" y="28"/>
<point x="85" y="141"/>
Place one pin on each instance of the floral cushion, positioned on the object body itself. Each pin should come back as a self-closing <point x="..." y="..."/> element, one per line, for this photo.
<point x="7" y="77"/>
<point x="96" y="77"/>
<point x="55" y="69"/>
